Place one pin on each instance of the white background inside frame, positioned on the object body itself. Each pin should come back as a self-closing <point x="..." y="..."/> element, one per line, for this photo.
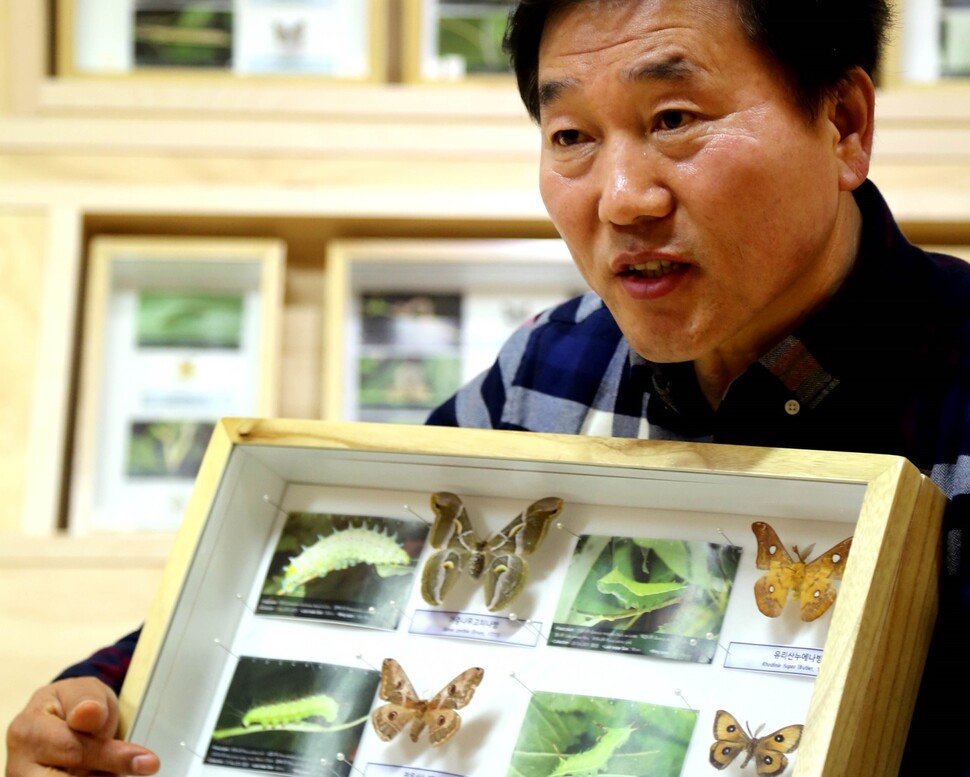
<point x="491" y="723"/>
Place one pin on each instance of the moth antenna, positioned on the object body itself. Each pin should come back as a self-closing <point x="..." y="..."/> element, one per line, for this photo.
<point x="245" y="604"/>
<point x="562" y="527"/>
<point x="680" y="693"/>
<point x="421" y="518"/>
<point x="184" y="746"/>
<point x="272" y="503"/>
<point x="218" y="642"/>
<point x="515" y="677"/>
<point x="720" y="531"/>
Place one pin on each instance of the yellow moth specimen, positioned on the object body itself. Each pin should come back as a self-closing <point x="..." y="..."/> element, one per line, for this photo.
<point x="810" y="582"/>
<point x="499" y="558"/>
<point x="768" y="751"/>
<point x="404" y="707"/>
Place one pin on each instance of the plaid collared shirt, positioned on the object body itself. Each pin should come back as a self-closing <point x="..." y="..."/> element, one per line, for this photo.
<point x="883" y="367"/>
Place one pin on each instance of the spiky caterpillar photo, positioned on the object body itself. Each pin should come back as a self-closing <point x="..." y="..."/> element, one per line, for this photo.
<point x="344" y="568"/>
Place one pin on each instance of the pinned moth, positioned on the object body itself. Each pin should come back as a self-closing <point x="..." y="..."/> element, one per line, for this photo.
<point x="769" y="752"/>
<point x="404" y="706"/>
<point x="810" y="582"/>
<point x="499" y="558"/>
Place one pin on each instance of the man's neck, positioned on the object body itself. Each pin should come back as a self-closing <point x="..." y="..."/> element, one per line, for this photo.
<point x="718" y="369"/>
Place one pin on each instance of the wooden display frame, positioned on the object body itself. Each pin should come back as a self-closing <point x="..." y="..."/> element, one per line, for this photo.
<point x="375" y="58"/>
<point x="543" y="269"/>
<point x="117" y="373"/>
<point x="861" y="700"/>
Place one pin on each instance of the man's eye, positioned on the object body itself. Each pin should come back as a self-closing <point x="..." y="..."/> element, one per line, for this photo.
<point x="566" y="137"/>
<point x="669" y="120"/>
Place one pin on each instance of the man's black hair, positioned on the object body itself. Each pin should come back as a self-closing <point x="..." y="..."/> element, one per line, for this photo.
<point x="815" y="43"/>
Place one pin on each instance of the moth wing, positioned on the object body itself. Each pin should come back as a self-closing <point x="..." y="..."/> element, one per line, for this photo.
<point x="769" y="752"/>
<point x="459" y="691"/>
<point x="442" y="725"/>
<point x="390" y="719"/>
<point x="524" y="533"/>
<point x="818" y="593"/>
<point x="730" y="740"/>
<point x="771" y="589"/>
<point x="451" y="521"/>
<point x="505" y="578"/>
<point x="395" y="686"/>
<point x="440" y="573"/>
<point x="770" y="550"/>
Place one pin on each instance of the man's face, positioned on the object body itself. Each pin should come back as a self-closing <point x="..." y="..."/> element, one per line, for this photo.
<point x="697" y="200"/>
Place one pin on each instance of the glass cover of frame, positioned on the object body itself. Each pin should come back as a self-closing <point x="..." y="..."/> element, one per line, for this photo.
<point x="633" y="637"/>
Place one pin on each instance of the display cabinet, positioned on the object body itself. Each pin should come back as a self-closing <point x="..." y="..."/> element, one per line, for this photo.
<point x="542" y="603"/>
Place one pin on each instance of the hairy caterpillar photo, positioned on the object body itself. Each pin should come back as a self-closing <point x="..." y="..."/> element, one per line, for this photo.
<point x="344" y="549"/>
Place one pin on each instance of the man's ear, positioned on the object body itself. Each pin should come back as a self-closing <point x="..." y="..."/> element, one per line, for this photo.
<point x="852" y="112"/>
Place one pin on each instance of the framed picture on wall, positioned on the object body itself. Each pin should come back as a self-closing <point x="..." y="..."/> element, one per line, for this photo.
<point x="450" y="40"/>
<point x="178" y="332"/>
<point x="931" y="43"/>
<point x="407" y="322"/>
<point x="339" y="39"/>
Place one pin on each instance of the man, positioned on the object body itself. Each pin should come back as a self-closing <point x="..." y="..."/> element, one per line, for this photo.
<point x="706" y="162"/>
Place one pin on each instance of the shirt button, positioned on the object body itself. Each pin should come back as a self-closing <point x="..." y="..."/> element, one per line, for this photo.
<point x="792" y="407"/>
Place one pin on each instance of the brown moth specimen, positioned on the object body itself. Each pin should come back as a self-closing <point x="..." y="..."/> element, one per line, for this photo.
<point x="499" y="559"/>
<point x="768" y="751"/>
<point x="437" y="714"/>
<point x="810" y="582"/>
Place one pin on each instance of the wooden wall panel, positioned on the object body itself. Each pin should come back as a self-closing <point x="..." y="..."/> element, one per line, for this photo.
<point x="22" y="249"/>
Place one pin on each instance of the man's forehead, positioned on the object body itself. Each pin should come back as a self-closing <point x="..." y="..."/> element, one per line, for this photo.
<point x="647" y="44"/>
<point x="601" y="20"/>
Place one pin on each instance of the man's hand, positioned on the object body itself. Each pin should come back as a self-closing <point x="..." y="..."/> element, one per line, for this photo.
<point x="68" y="727"/>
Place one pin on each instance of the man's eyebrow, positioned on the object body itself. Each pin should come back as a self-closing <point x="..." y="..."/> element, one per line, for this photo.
<point x="673" y="69"/>
<point x="549" y="91"/>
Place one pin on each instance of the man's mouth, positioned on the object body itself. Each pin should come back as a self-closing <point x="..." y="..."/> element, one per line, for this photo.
<point x="656" y="268"/>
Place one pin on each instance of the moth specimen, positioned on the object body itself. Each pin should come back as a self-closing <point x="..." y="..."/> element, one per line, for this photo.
<point x="768" y="751"/>
<point x="404" y="707"/>
<point x="499" y="558"/>
<point x="810" y="582"/>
